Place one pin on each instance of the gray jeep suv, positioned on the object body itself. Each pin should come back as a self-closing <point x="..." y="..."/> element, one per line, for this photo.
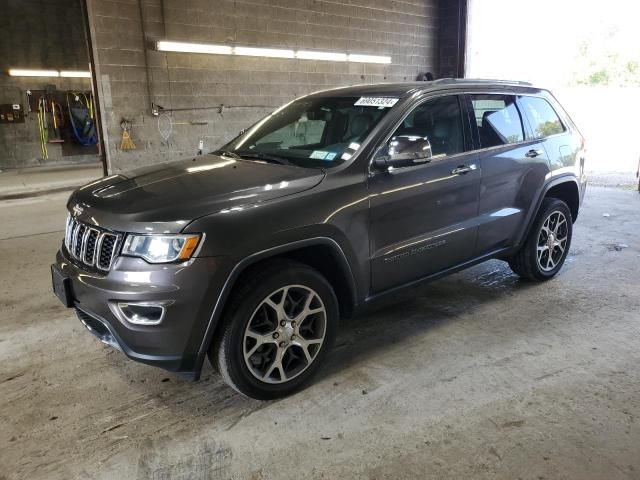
<point x="251" y="254"/>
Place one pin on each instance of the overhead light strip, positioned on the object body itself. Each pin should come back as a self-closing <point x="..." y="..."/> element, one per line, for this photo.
<point x="19" y="72"/>
<point x="263" y="52"/>
<point x="167" y="46"/>
<point x="359" y="58"/>
<point x="22" y="72"/>
<point x="184" y="47"/>
<point x="75" y="74"/>
<point x="314" y="55"/>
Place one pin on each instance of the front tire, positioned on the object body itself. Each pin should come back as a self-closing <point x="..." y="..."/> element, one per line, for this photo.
<point x="547" y="245"/>
<point x="277" y="331"/>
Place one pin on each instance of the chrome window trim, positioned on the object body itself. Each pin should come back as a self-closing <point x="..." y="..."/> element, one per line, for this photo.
<point x="517" y="144"/>
<point x="505" y="146"/>
<point x="393" y="170"/>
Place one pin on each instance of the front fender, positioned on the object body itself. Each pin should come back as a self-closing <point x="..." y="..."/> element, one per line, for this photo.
<point x="257" y="256"/>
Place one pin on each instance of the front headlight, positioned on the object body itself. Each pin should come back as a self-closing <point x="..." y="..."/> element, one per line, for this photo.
<point x="161" y="248"/>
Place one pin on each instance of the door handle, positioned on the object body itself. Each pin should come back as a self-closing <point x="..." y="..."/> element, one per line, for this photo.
<point x="462" y="169"/>
<point x="533" y="153"/>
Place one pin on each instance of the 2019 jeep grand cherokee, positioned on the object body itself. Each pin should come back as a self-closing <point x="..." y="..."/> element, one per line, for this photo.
<point x="251" y="254"/>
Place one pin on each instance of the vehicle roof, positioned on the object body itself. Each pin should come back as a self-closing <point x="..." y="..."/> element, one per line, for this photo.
<point x="407" y="88"/>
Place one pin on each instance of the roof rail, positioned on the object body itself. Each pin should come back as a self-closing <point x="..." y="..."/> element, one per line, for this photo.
<point x="482" y="80"/>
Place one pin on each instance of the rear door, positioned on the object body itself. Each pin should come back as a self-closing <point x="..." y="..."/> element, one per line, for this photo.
<point x="514" y="166"/>
<point x="561" y="146"/>
<point x="423" y="217"/>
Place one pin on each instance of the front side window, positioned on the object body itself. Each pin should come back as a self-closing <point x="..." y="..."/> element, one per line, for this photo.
<point x="498" y="119"/>
<point x="542" y="117"/>
<point x="435" y="124"/>
<point x="311" y="132"/>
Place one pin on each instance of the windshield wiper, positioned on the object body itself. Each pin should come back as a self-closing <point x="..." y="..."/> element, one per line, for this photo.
<point x="226" y="153"/>
<point x="262" y="156"/>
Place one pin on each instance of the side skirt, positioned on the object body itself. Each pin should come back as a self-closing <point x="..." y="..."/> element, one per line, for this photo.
<point x="496" y="254"/>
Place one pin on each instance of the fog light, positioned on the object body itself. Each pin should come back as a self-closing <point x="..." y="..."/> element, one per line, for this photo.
<point x="141" y="313"/>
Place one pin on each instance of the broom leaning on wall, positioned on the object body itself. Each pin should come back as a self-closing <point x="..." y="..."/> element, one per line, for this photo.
<point x="126" y="143"/>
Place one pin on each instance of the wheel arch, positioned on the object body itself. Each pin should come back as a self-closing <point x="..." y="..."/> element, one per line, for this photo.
<point x="561" y="188"/>
<point x="568" y="191"/>
<point x="321" y="253"/>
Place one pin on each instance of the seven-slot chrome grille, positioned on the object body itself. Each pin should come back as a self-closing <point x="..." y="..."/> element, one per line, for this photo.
<point x="89" y="245"/>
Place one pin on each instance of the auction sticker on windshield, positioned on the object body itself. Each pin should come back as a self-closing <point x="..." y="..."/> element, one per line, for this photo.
<point x="384" y="102"/>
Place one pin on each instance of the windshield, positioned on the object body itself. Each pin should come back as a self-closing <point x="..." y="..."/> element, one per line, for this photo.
<point x="311" y="132"/>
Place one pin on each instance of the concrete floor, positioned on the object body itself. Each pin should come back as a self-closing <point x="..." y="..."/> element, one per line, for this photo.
<point x="478" y="375"/>
<point x="24" y="182"/>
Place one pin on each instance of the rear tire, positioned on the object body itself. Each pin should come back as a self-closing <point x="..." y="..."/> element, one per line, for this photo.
<point x="547" y="245"/>
<point x="278" y="329"/>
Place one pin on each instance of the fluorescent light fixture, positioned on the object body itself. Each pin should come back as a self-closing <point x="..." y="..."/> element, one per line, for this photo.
<point x="311" y="55"/>
<point x="355" y="57"/>
<point x="263" y="52"/>
<point x="166" y="46"/>
<point x="75" y="74"/>
<point x="18" y="72"/>
<point x="169" y="46"/>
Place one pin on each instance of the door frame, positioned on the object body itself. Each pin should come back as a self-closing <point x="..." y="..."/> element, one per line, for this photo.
<point x="96" y="86"/>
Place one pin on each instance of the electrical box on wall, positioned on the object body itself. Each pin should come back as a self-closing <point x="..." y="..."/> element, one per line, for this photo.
<point x="11" y="113"/>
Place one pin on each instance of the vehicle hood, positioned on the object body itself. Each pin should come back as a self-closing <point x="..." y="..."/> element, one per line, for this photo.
<point x="166" y="197"/>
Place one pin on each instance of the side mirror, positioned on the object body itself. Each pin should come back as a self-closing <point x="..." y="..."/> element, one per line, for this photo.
<point x="403" y="151"/>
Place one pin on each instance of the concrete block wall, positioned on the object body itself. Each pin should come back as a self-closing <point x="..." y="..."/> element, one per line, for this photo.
<point x="38" y="34"/>
<point x="249" y="87"/>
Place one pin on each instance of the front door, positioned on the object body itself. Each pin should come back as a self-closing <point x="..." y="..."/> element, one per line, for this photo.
<point x="424" y="217"/>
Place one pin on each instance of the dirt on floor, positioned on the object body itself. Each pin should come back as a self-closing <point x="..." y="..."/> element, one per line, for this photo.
<point x="478" y="375"/>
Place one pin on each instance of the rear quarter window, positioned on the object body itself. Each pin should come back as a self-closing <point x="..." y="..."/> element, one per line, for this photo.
<point x="542" y="117"/>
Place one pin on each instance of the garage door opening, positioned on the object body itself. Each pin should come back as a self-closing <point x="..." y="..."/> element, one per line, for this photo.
<point x="49" y="115"/>
<point x="586" y="54"/>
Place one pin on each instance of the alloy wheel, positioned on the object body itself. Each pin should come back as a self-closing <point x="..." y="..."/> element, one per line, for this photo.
<point x="552" y="241"/>
<point x="285" y="334"/>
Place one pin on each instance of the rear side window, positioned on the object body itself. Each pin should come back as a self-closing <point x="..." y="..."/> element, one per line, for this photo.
<point x="498" y="119"/>
<point x="542" y="117"/>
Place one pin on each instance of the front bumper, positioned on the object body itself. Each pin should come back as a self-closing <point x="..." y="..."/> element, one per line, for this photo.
<point x="188" y="289"/>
